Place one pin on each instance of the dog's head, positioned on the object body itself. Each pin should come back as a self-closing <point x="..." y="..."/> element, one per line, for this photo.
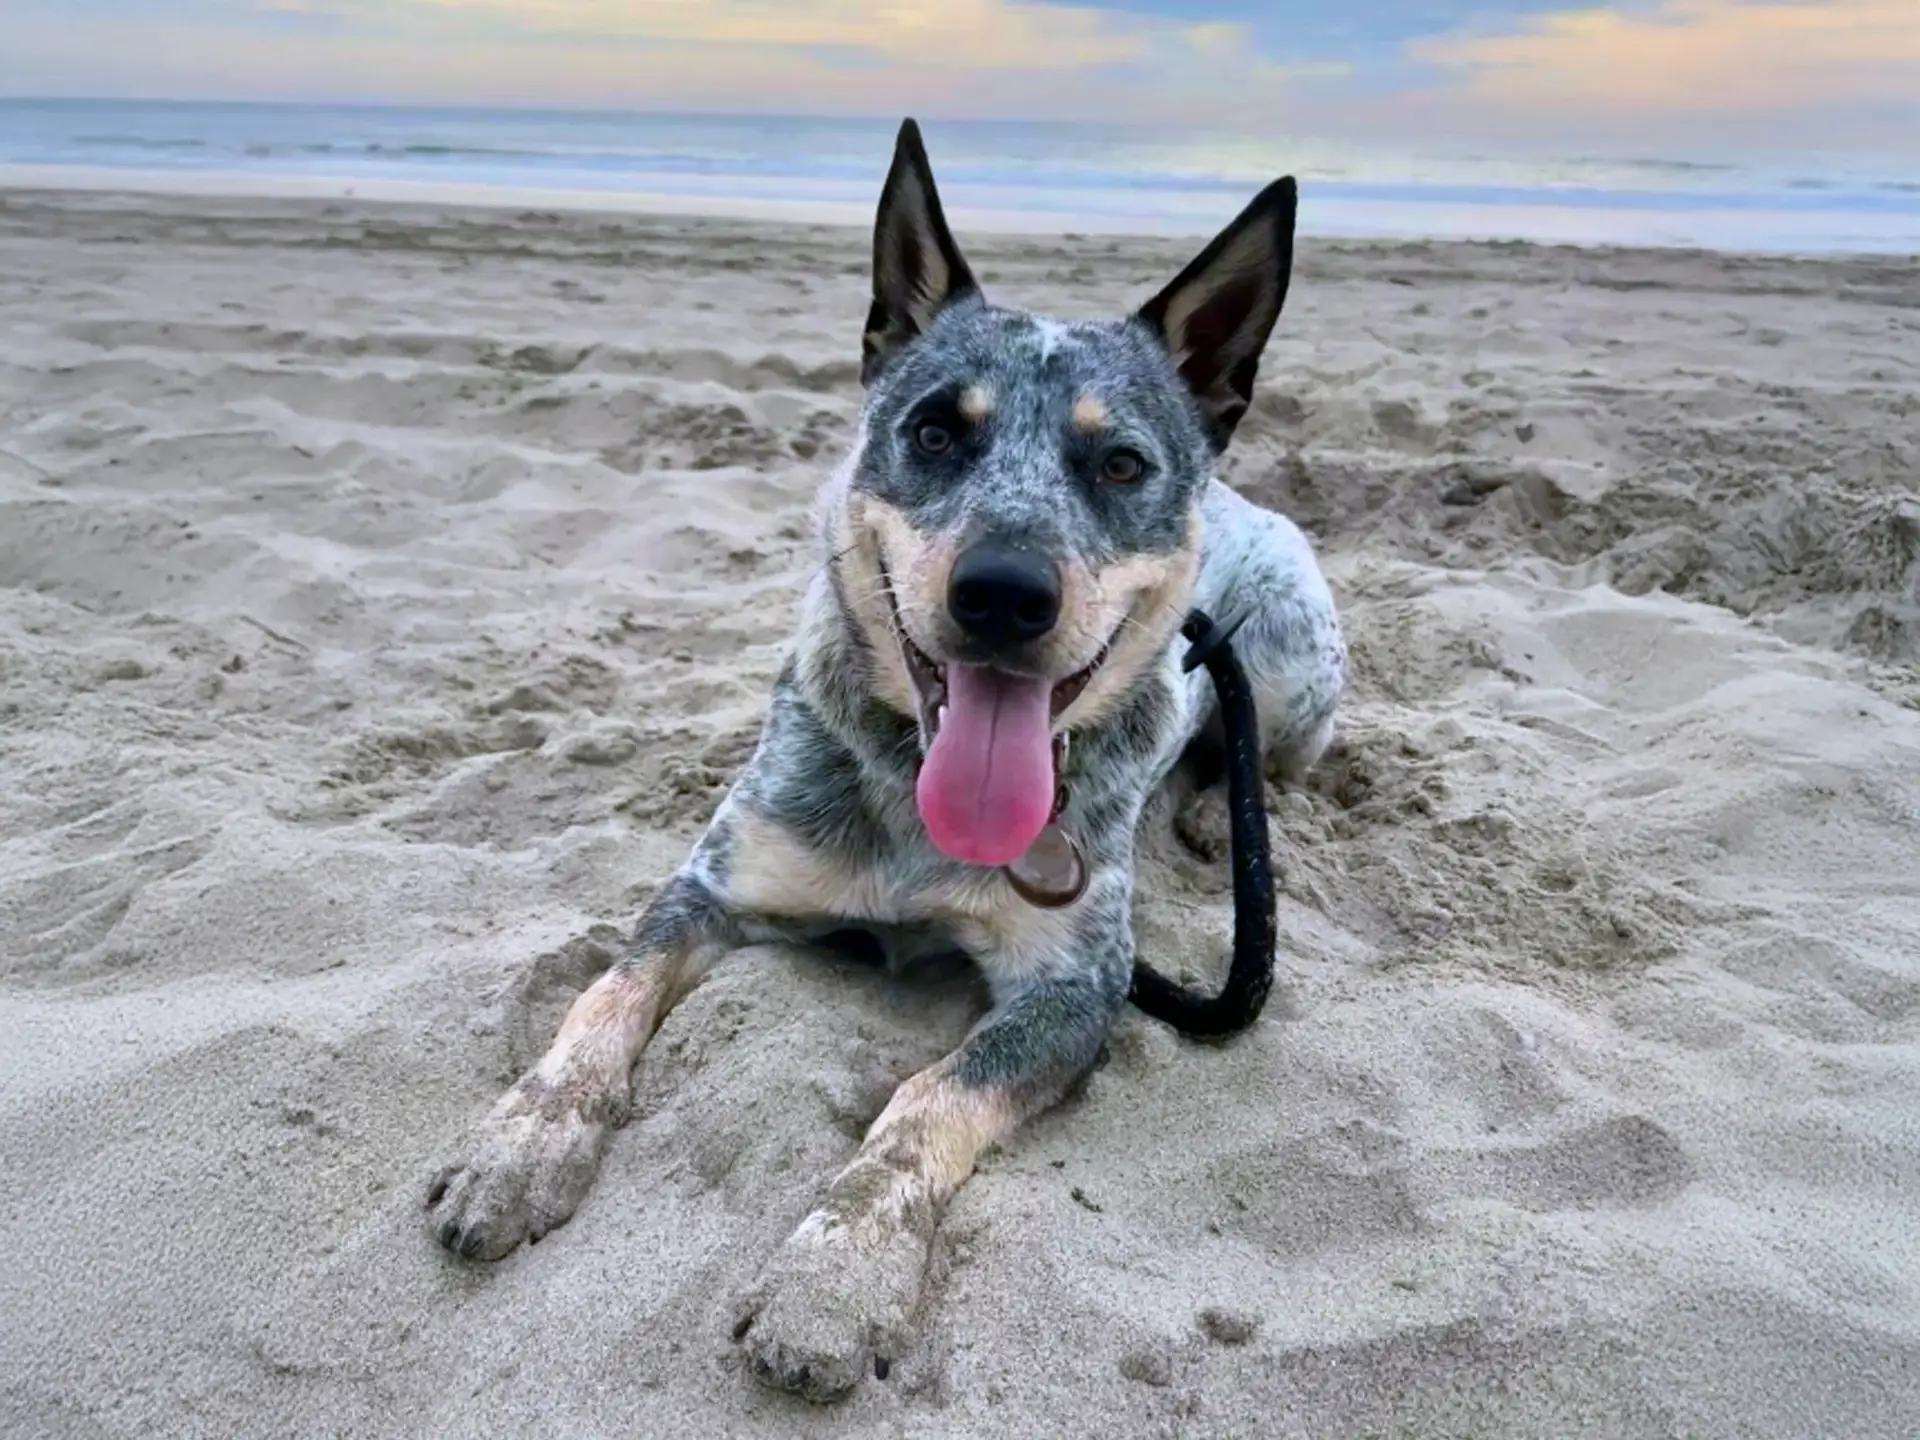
<point x="1020" y="529"/>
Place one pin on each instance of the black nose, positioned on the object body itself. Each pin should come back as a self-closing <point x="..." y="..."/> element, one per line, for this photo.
<point x="1003" y="597"/>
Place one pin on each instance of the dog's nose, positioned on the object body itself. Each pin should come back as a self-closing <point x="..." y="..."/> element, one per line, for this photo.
<point x="1003" y="597"/>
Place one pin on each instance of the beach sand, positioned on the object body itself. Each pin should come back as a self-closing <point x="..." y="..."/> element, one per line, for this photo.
<point x="387" y="594"/>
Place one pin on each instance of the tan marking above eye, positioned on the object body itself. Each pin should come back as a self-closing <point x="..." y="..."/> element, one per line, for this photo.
<point x="1089" y="415"/>
<point x="976" y="404"/>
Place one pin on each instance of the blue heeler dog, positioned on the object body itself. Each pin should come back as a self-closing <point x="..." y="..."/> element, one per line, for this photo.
<point x="985" y="691"/>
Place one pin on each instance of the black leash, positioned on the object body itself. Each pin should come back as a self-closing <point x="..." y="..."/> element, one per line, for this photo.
<point x="1255" y="936"/>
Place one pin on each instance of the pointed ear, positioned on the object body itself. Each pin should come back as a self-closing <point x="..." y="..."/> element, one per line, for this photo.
<point x="1216" y="315"/>
<point x="917" y="269"/>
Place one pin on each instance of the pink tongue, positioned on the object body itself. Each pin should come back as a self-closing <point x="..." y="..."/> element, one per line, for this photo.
<point x="986" y="786"/>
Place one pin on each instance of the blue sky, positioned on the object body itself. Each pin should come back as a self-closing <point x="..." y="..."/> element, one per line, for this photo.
<point x="1813" y="73"/>
<point x="1359" y="30"/>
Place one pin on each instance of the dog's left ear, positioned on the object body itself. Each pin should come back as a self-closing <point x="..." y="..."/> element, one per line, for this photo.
<point x="917" y="268"/>
<point x="1217" y="314"/>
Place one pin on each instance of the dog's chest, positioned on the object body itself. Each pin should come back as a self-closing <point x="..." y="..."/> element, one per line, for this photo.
<point x="904" y="889"/>
<point x="927" y="903"/>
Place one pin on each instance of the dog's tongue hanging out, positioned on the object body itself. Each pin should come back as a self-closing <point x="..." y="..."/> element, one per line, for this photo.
<point x="986" y="786"/>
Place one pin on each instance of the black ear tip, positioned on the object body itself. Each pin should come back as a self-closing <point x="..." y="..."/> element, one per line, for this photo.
<point x="1279" y="204"/>
<point x="910" y="151"/>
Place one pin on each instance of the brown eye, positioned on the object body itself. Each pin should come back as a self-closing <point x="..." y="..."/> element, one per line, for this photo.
<point x="932" y="438"/>
<point x="1122" y="467"/>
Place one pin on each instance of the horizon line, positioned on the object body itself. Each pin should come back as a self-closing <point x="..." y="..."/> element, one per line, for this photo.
<point x="932" y="117"/>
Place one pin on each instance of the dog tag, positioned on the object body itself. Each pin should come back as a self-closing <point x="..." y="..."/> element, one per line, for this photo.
<point x="1052" y="874"/>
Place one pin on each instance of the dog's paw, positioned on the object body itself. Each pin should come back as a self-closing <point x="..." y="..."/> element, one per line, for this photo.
<point x="834" y="1303"/>
<point x="528" y="1170"/>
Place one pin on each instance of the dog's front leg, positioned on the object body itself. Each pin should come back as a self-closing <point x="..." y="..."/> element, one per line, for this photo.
<point x="538" y="1150"/>
<point x="842" y="1290"/>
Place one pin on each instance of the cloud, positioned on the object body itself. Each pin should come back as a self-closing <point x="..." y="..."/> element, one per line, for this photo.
<point x="938" y="58"/>
<point x="935" y="39"/>
<point x="963" y="34"/>
<point x="1736" y="74"/>
<point x="1693" y="57"/>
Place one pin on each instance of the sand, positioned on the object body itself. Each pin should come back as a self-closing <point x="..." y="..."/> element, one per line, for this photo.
<point x="386" y="595"/>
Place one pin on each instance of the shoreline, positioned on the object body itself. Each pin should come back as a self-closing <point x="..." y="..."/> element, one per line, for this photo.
<point x="848" y="205"/>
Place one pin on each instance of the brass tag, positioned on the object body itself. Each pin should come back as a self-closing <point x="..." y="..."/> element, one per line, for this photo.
<point x="1053" y="872"/>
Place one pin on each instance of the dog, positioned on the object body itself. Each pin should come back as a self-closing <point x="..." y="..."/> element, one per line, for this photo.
<point x="983" y="695"/>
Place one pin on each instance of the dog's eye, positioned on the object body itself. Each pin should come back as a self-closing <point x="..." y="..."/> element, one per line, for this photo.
<point x="1122" y="467"/>
<point x="932" y="437"/>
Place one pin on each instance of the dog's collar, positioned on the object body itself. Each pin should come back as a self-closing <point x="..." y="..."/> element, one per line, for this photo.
<point x="1053" y="872"/>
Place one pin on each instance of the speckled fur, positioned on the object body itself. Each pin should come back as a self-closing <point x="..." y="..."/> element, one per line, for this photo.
<point x="820" y="832"/>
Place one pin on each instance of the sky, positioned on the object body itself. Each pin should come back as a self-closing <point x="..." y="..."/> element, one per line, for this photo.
<point x="1833" y="75"/>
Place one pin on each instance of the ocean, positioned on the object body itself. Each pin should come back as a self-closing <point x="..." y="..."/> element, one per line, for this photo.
<point x="1013" y="175"/>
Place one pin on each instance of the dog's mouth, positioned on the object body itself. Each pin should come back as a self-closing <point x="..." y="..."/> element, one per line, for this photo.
<point x="930" y="684"/>
<point x="991" y="776"/>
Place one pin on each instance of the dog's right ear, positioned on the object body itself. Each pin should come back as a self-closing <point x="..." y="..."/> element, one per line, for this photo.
<point x="917" y="269"/>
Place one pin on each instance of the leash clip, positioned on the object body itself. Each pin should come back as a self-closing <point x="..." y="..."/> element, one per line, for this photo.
<point x="1207" y="638"/>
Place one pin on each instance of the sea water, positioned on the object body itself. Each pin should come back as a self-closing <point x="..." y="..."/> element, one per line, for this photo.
<point x="1019" y="175"/>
